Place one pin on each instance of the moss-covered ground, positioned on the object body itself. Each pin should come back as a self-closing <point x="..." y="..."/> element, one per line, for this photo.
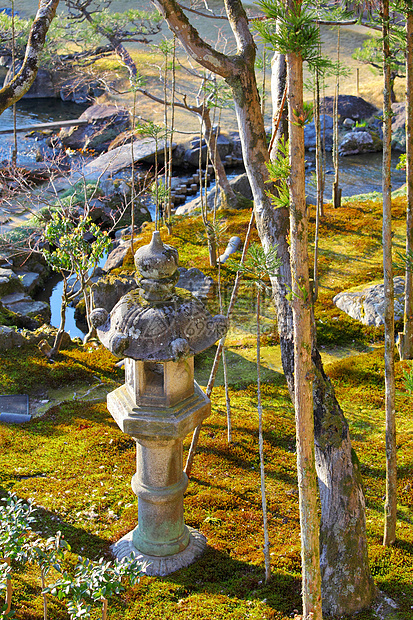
<point x="76" y="464"/>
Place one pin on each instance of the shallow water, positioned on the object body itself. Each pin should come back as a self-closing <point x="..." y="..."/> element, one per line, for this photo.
<point x="359" y="174"/>
<point x="31" y="112"/>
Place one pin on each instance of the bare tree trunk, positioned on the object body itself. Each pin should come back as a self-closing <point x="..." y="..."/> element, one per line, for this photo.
<point x="25" y="77"/>
<point x="228" y="196"/>
<point x="9" y="589"/>
<point x="273" y="228"/>
<point x="303" y="371"/>
<point x="390" y="508"/>
<point x="347" y="585"/>
<point x="406" y="338"/>
<point x="336" y="189"/>
<point x="44" y="594"/>
<point x="266" y="549"/>
<point x="278" y="79"/>
<point x="319" y="180"/>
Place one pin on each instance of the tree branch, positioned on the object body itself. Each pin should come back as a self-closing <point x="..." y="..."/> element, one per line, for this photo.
<point x="238" y="21"/>
<point x="22" y="81"/>
<point x="194" y="45"/>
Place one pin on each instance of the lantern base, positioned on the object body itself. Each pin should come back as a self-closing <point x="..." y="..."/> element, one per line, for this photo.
<point x="160" y="566"/>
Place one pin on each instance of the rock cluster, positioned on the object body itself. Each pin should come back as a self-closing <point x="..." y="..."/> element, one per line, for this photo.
<point x="18" y="308"/>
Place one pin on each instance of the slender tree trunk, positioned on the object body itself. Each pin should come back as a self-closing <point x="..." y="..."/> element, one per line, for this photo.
<point x="319" y="179"/>
<point x="278" y="79"/>
<point x="266" y="548"/>
<point x="303" y="371"/>
<point x="390" y="508"/>
<point x="9" y="589"/>
<point x="220" y="348"/>
<point x="406" y="338"/>
<point x="228" y="196"/>
<point x="44" y="594"/>
<point x="104" y="608"/>
<point x="336" y="188"/>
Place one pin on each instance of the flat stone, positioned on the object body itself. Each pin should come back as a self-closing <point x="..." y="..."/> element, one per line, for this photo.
<point x="15" y="298"/>
<point x="20" y="303"/>
<point x="120" y="158"/>
<point x="29" y="279"/>
<point x="9" y="281"/>
<point x="367" y="304"/>
<point x="161" y="566"/>
<point x="14" y="418"/>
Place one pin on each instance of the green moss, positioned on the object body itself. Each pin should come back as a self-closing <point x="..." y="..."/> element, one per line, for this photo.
<point x="77" y="465"/>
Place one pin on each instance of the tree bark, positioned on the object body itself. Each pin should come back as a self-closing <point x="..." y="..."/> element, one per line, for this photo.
<point x="25" y="77"/>
<point x="406" y="338"/>
<point x="303" y="371"/>
<point x="273" y="228"/>
<point x="390" y="507"/>
<point x="278" y="80"/>
<point x="347" y="584"/>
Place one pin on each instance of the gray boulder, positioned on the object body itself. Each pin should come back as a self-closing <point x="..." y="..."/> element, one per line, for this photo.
<point x="115" y="258"/>
<point x="357" y="142"/>
<point x="366" y="304"/>
<point x="9" y="282"/>
<point x="30" y="280"/>
<point x="194" y="281"/>
<point x="107" y="291"/>
<point x="398" y="127"/>
<point x="239" y="184"/>
<point x="43" y="87"/>
<point x="350" y="106"/>
<point x="80" y="90"/>
<point x="326" y="128"/>
<point x="10" y="338"/>
<point x="105" y="122"/>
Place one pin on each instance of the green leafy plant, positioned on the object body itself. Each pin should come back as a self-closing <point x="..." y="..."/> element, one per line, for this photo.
<point x="75" y="257"/>
<point x="47" y="554"/>
<point x="16" y="517"/>
<point x="279" y="171"/>
<point x="94" y="582"/>
<point x="402" y="162"/>
<point x="296" y="31"/>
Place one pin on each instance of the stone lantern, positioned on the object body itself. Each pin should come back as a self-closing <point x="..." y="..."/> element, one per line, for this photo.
<point x="158" y="329"/>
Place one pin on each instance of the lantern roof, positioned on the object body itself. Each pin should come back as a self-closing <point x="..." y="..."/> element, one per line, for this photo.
<point x="157" y="321"/>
